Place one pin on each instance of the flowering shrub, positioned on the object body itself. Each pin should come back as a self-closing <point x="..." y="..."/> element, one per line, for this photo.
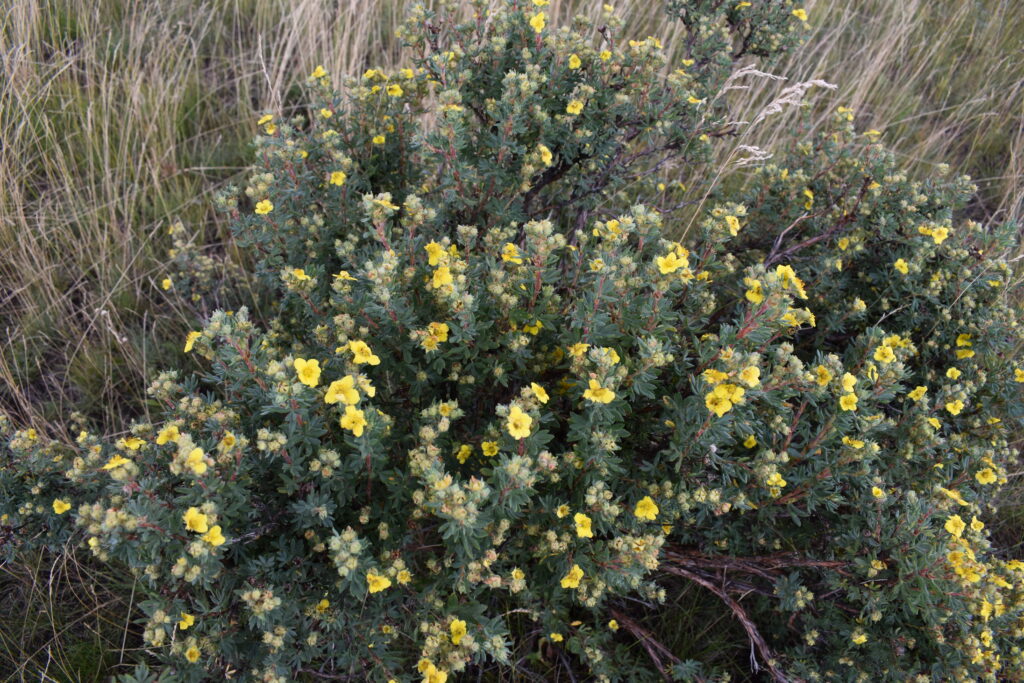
<point x="506" y="389"/>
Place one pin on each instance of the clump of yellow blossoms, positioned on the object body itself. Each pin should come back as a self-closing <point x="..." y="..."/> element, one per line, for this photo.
<point x="520" y="369"/>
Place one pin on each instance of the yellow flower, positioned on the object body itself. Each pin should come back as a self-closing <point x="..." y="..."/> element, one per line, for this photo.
<point x="168" y="433"/>
<point x="367" y="386"/>
<point x="561" y="511"/>
<point x="575" y="107"/>
<point x="190" y="340"/>
<point x="605" y="55"/>
<point x="196" y="461"/>
<point x="166" y="283"/>
<point x="435" y="252"/>
<point x="954" y="407"/>
<point x="721" y="399"/>
<point x="133" y="443"/>
<point x="646" y="508"/>
<point x="901" y="266"/>
<point x="670" y="263"/>
<point x="939" y="235"/>
<point x="597" y="393"/>
<point x="308" y="371"/>
<point x="519" y="423"/>
<point x="787" y="276"/>
<point x="442" y="277"/>
<point x="266" y="118"/>
<point x="378" y="139"/>
<point x="344" y="275"/>
<point x="572" y="579"/>
<point x="953" y="373"/>
<point x="353" y="420"/>
<point x="343" y="390"/>
<point x="918" y="393"/>
<point x="613" y="625"/>
<point x="750" y="441"/>
<point x="583" y="529"/>
<point x="376" y="583"/>
<point x="60" y="506"/>
<point x="537" y="21"/>
<point x="955" y="526"/>
<point x="116" y="461"/>
<point x="810" y="197"/>
<point x="362" y="354"/>
<point x="458" y="630"/>
<point x="192" y="654"/>
<point x="338" y="177"/>
<point x="545" y="154"/>
<point x="577" y="350"/>
<point x="849" y="382"/>
<point x="404" y="577"/>
<point x="801" y="14"/>
<point x="977" y="524"/>
<point x="984" y="476"/>
<point x="539" y="392"/>
<point x="877" y="492"/>
<point x="555" y="637"/>
<point x="395" y="90"/>
<point x="754" y="294"/>
<point x="734" y="225"/>
<point x="884" y="354"/>
<point x="264" y="207"/>
<point x="214" y="536"/>
<point x="533" y="329"/>
<point x="323" y="606"/>
<point x="776" y="480"/>
<point x="195" y="520"/>
<point x="964" y="353"/>
<point x="934" y="422"/>
<point x="954" y="495"/>
<point x="848" y="402"/>
<point x="438" y="331"/>
<point x="186" y="621"/>
<point x="822" y="375"/>
<point x="318" y="72"/>
<point x="510" y="253"/>
<point x="574" y="61"/>
<point x="490" y="448"/>
<point x="858" y="638"/>
<point x="751" y="376"/>
<point x="714" y="377"/>
<point x="1018" y="375"/>
<point x="465" y="450"/>
<point x="853" y="443"/>
<point x="431" y="674"/>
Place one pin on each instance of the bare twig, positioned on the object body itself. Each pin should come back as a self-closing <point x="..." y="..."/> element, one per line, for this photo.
<point x="756" y="640"/>
<point x="655" y="650"/>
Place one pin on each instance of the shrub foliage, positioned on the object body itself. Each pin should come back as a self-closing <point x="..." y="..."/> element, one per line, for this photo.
<point x="525" y="369"/>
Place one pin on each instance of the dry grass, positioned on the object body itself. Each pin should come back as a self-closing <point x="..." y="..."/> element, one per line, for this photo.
<point x="944" y="81"/>
<point x="65" y="618"/>
<point x="117" y="117"/>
